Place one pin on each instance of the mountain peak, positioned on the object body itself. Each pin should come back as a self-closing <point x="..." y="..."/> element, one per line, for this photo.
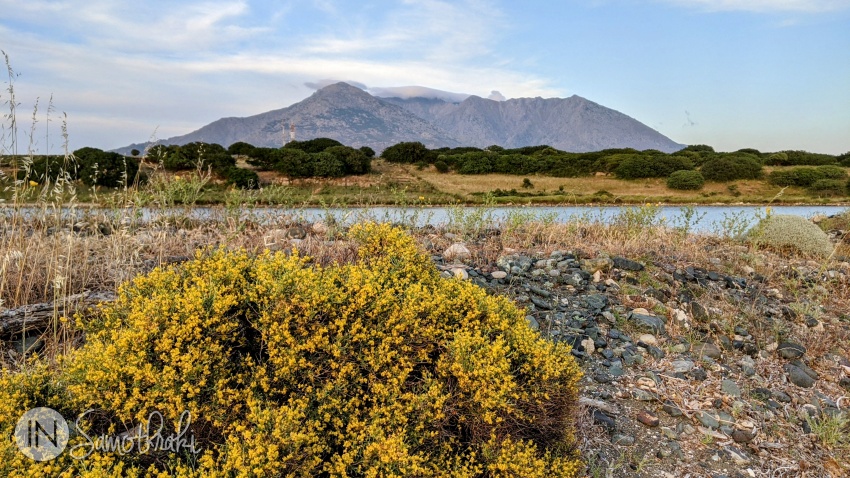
<point x="354" y="117"/>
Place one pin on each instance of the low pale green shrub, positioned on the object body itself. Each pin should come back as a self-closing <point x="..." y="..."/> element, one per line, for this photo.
<point x="785" y="231"/>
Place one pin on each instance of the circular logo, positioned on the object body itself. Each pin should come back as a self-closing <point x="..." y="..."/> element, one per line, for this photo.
<point x="41" y="434"/>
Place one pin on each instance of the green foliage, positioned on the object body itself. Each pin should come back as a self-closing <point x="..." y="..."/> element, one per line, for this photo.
<point x="685" y="180"/>
<point x="732" y="167"/>
<point x="240" y="148"/>
<point x="654" y="166"/>
<point x="785" y="231"/>
<point x="103" y="168"/>
<point x="408" y="152"/>
<point x="49" y="168"/>
<point x="354" y="161"/>
<point x="375" y="368"/>
<point x="804" y="158"/>
<point x="135" y="152"/>
<point x="242" y="178"/>
<point x="327" y="165"/>
<point x="441" y="166"/>
<point x="843" y="159"/>
<point x="294" y="163"/>
<point x="698" y="148"/>
<point x="828" y="188"/>
<point x="805" y="176"/>
<point x="315" y="145"/>
<point x="526" y="183"/>
<point x="369" y="152"/>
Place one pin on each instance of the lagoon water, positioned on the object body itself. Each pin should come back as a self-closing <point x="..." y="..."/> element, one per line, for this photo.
<point x="707" y="219"/>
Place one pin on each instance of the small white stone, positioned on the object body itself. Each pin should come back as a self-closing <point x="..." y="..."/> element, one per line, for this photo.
<point x="588" y="345"/>
<point x="597" y="276"/>
<point x="648" y="339"/>
<point x="460" y="273"/>
<point x="499" y="274"/>
<point x="457" y="252"/>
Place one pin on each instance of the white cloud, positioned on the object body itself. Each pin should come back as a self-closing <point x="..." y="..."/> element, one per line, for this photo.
<point x="417" y="92"/>
<point x="495" y="95"/>
<point x="808" y="6"/>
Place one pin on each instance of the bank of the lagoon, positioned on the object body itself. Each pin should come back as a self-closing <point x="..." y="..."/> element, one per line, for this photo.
<point x="704" y="219"/>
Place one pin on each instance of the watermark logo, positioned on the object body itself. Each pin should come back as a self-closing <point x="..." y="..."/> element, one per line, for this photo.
<point x="41" y="434"/>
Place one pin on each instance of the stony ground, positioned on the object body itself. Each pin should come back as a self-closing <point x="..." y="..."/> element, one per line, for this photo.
<point x="701" y="370"/>
<point x="702" y="357"/>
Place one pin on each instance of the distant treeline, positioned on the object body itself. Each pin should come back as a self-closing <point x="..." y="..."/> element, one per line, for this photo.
<point x="705" y="163"/>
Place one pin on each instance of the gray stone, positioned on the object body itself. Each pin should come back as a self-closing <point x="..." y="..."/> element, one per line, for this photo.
<point x="643" y="395"/>
<point x="708" y="420"/>
<point x="532" y="322"/>
<point x="499" y="274"/>
<point x="596" y="302"/>
<point x="296" y="232"/>
<point x="707" y="350"/>
<point x="699" y="312"/>
<point x="648" y="323"/>
<point x="624" y="440"/>
<point x="790" y="350"/>
<point x="507" y="263"/>
<point x="682" y="366"/>
<point x="743" y="436"/>
<point x="627" y="264"/>
<point x="738" y="456"/>
<point x="798" y="377"/>
<point x="730" y="388"/>
<point x="671" y="408"/>
<point x="805" y="368"/>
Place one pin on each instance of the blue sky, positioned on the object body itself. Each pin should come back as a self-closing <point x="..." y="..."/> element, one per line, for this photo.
<point x="767" y="74"/>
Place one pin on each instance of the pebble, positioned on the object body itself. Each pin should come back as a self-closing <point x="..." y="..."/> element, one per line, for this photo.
<point x="730" y="388"/>
<point x="798" y="377"/>
<point x="648" y="419"/>
<point x="499" y="274"/>
<point x="790" y="350"/>
<point x="708" y="420"/>
<point x="648" y="339"/>
<point x="707" y="350"/>
<point x="457" y="252"/>
<point x="682" y="366"/>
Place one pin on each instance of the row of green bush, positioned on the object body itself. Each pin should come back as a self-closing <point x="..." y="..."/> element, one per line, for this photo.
<point x="92" y="166"/>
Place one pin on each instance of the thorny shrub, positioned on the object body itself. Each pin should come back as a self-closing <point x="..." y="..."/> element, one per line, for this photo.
<point x="375" y="368"/>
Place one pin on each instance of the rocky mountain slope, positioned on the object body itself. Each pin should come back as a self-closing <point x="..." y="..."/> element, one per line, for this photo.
<point x="354" y="117"/>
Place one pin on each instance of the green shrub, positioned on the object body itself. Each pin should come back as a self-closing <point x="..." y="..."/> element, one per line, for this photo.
<point x="828" y="187"/>
<point x="375" y="368"/>
<point x="784" y="231"/>
<point x="326" y="165"/>
<point x="731" y="168"/>
<point x="240" y="148"/>
<point x="242" y="178"/>
<point x="49" y="168"/>
<point x="805" y="176"/>
<point x="408" y="152"/>
<point x="369" y="152"/>
<point x="105" y="168"/>
<point x="354" y="161"/>
<point x="315" y="145"/>
<point x="656" y="166"/>
<point x="441" y="166"/>
<point x="685" y="180"/>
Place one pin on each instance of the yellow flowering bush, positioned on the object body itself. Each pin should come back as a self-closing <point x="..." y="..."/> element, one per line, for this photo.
<point x="377" y="368"/>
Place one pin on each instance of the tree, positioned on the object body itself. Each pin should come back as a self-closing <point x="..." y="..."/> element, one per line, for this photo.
<point x="354" y="161"/>
<point x="369" y="152"/>
<point x="732" y="167"/>
<point x="241" y="148"/>
<point x="105" y="168"/>
<point x="407" y="152"/>
<point x="134" y="152"/>
<point x="315" y="145"/>
<point x="327" y="165"/>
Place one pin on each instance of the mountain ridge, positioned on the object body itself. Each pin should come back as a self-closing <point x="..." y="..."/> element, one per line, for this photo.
<point x="354" y="117"/>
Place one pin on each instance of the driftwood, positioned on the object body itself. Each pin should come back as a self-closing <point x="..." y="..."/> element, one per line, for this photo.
<point x="37" y="317"/>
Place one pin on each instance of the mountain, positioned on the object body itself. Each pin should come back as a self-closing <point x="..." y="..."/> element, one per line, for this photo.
<point x="338" y="111"/>
<point x="354" y="117"/>
<point x="570" y="124"/>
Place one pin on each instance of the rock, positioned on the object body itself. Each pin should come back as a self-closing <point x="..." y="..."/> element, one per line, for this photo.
<point x="588" y="345"/>
<point x="730" y="388"/>
<point x="682" y="366"/>
<point x="460" y="273"/>
<point x="672" y="409"/>
<point x="296" y="232"/>
<point x="648" y="339"/>
<point x="602" y="264"/>
<point x="320" y="228"/>
<point x="738" y="456"/>
<point x="643" y="395"/>
<point x="509" y="262"/>
<point x="649" y="323"/>
<point x="627" y="264"/>
<point x="699" y="312"/>
<point x="798" y="377"/>
<point x="457" y="252"/>
<point x="648" y="419"/>
<point x="790" y="350"/>
<point x="805" y="368"/>
<point x="708" y="420"/>
<point x="532" y="322"/>
<point x="596" y="302"/>
<point x="623" y="440"/>
<point x="499" y="274"/>
<point x="275" y="239"/>
<point x="743" y="436"/>
<point x="707" y="350"/>
<point x="603" y="419"/>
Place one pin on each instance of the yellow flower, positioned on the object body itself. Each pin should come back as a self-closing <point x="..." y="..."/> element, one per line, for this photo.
<point x="33" y="183"/>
